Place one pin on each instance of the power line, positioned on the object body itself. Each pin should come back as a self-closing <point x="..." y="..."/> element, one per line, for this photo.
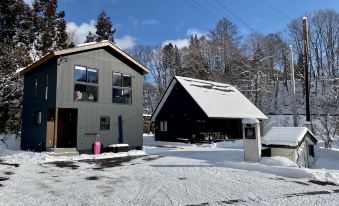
<point x="235" y="16"/>
<point x="276" y="10"/>
<point x="201" y="10"/>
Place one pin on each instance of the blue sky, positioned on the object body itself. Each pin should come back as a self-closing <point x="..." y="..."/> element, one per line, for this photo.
<point x="154" y="22"/>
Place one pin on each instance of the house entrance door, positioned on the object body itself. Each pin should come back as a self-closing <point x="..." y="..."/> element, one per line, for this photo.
<point x="67" y="127"/>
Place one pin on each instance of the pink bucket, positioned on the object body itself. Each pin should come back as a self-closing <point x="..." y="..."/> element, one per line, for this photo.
<point x="97" y="147"/>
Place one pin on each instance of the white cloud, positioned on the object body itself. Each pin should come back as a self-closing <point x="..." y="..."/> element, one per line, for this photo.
<point x="194" y="31"/>
<point x="125" y="42"/>
<point x="81" y="30"/>
<point x="180" y="43"/>
<point x="149" y="22"/>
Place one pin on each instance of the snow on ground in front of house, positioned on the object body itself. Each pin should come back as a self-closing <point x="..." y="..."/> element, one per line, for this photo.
<point x="170" y="174"/>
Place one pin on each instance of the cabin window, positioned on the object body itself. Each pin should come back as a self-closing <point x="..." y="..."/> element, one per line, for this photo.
<point x="35" y="96"/>
<point x="104" y="122"/>
<point x="86" y="84"/>
<point x="122" y="88"/>
<point x="163" y="126"/>
<point x="311" y="150"/>
<point x="46" y="87"/>
<point x="37" y="118"/>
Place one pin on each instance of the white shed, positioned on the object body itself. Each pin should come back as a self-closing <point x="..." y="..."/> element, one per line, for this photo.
<point x="295" y="143"/>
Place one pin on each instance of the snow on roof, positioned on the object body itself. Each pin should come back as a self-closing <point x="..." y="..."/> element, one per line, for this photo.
<point x="220" y="100"/>
<point x="287" y="136"/>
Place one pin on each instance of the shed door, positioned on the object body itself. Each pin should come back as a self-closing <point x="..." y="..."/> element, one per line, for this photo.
<point x="50" y="134"/>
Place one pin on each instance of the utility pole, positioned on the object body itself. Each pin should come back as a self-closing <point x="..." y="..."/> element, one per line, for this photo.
<point x="294" y="106"/>
<point x="306" y="69"/>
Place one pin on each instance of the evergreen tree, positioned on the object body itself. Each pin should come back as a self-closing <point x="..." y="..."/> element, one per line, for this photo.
<point x="196" y="64"/>
<point x="177" y="62"/>
<point x="104" y="29"/>
<point x="90" y="37"/>
<point x="15" y="41"/>
<point x="50" y="27"/>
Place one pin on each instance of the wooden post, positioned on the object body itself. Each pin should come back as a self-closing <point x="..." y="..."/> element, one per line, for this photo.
<point x="306" y="63"/>
<point x="56" y="127"/>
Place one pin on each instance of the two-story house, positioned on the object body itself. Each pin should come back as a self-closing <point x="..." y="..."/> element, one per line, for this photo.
<point x="72" y="95"/>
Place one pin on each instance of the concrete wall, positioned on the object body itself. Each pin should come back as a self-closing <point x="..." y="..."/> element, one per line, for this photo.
<point x="33" y="137"/>
<point x="284" y="152"/>
<point x="89" y="112"/>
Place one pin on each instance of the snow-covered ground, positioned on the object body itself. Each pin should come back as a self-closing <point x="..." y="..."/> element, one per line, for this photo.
<point x="165" y="173"/>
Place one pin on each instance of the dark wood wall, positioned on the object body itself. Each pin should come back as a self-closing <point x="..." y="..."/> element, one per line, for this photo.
<point x="185" y="119"/>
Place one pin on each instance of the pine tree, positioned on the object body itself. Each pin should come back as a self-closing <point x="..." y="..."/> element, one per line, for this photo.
<point x="196" y="63"/>
<point x="15" y="41"/>
<point x="90" y="37"/>
<point x="50" y="27"/>
<point x="104" y="29"/>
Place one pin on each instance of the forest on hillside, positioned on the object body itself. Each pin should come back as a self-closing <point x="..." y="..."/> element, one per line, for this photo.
<point x="258" y="64"/>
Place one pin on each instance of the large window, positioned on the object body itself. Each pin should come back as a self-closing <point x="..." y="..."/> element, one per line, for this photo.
<point x="122" y="88"/>
<point x="86" y="84"/>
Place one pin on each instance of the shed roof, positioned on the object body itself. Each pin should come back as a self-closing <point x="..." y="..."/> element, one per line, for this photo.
<point x="83" y="48"/>
<point x="217" y="100"/>
<point x="287" y="136"/>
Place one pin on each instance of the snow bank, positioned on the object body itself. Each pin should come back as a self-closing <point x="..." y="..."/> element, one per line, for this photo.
<point x="50" y="158"/>
<point x="9" y="141"/>
<point x="277" y="161"/>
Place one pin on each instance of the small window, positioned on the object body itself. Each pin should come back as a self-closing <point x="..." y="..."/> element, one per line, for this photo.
<point x="163" y="126"/>
<point x="35" y="96"/>
<point x="126" y="81"/>
<point x="104" y="122"/>
<point x="37" y="118"/>
<point x="80" y="74"/>
<point x="46" y="87"/>
<point x="92" y="76"/>
<point x="117" y="81"/>
<point x="311" y="150"/>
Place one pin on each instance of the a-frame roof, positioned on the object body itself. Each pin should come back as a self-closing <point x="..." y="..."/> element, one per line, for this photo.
<point x="217" y="100"/>
<point x="84" y="48"/>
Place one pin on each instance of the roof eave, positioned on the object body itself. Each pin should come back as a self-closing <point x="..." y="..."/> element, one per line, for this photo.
<point x="84" y="48"/>
<point x="37" y="63"/>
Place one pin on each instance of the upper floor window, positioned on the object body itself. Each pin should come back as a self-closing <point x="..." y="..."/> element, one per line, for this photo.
<point x="122" y="88"/>
<point x="46" y="87"/>
<point x="35" y="96"/>
<point x="86" y="84"/>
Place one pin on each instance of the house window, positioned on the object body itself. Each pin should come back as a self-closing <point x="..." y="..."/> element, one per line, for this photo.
<point x="104" y="122"/>
<point x="37" y="118"/>
<point x="35" y="89"/>
<point x="122" y="88"/>
<point x="163" y="126"/>
<point x="86" y="84"/>
<point x="311" y="150"/>
<point x="46" y="87"/>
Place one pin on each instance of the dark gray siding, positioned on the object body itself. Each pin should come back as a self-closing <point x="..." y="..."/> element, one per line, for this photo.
<point x="33" y="137"/>
<point x="88" y="112"/>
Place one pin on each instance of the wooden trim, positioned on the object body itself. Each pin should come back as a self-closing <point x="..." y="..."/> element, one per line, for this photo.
<point x="56" y="127"/>
<point x="80" y="49"/>
<point x="163" y="99"/>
